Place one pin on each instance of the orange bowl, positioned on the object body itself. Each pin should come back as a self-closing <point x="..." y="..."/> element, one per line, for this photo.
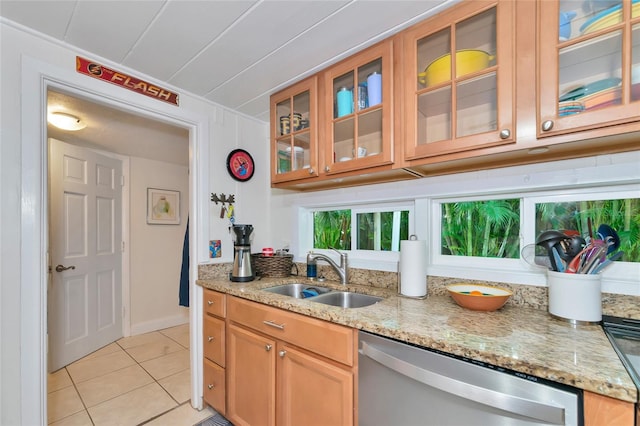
<point x="479" y="297"/>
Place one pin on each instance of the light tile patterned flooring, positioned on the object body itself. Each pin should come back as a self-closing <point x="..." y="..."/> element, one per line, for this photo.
<point x="143" y="379"/>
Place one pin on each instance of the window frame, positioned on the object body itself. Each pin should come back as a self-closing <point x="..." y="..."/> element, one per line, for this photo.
<point x="360" y="258"/>
<point x="615" y="175"/>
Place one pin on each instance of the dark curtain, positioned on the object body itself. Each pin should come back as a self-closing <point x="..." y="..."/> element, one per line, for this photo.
<point x="184" y="272"/>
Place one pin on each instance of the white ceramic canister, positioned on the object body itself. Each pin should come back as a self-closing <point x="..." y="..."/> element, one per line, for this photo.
<point x="575" y="297"/>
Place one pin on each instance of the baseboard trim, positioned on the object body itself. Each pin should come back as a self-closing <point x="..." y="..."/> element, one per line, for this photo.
<point x="159" y="324"/>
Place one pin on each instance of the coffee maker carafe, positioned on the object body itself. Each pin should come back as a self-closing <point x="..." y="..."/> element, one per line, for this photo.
<point x="242" y="270"/>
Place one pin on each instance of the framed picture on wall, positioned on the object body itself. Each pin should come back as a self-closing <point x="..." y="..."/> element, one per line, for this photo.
<point x="163" y="207"/>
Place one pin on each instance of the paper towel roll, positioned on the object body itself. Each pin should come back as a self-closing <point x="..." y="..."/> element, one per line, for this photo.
<point x="413" y="268"/>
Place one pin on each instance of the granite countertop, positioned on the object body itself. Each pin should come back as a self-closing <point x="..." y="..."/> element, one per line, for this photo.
<point x="523" y="339"/>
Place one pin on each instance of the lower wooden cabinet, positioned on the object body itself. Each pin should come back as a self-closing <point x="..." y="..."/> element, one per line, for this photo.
<point x="251" y="372"/>
<point x="273" y="367"/>
<point x="273" y="382"/>
<point x="214" y="344"/>
<point x="214" y="386"/>
<point x="600" y="410"/>
<point x="312" y="391"/>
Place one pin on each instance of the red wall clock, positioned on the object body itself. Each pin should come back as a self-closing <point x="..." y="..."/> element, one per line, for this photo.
<point x="240" y="165"/>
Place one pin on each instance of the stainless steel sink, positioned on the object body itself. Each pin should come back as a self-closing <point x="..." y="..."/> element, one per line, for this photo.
<point x="298" y="290"/>
<point x="346" y="299"/>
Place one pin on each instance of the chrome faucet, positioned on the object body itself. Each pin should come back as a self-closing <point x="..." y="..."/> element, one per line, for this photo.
<point x="342" y="269"/>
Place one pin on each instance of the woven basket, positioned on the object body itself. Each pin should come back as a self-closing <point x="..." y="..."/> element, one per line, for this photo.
<point x="272" y="266"/>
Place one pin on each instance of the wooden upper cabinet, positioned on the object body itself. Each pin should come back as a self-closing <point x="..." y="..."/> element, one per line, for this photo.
<point x="357" y="104"/>
<point x="294" y="130"/>
<point x="588" y="65"/>
<point x="463" y="101"/>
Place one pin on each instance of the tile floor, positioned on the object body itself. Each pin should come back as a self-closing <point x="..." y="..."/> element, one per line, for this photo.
<point x="143" y="379"/>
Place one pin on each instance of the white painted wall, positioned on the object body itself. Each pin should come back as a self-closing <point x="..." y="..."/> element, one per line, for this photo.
<point x="155" y="250"/>
<point x="252" y="197"/>
<point x="28" y="61"/>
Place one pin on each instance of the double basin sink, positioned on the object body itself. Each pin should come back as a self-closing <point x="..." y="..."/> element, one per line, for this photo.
<point x="324" y="295"/>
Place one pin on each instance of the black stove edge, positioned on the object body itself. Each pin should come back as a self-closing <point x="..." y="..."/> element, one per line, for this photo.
<point x="627" y="323"/>
<point x="611" y="324"/>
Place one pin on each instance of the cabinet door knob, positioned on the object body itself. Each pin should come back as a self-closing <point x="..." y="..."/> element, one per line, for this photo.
<point x="210" y="387"/>
<point x="210" y="338"/>
<point x="267" y="348"/>
<point x="327" y="168"/>
<point x="311" y="171"/>
<point x="505" y="133"/>
<point x="282" y="353"/>
<point x="547" y="125"/>
<point x="209" y="302"/>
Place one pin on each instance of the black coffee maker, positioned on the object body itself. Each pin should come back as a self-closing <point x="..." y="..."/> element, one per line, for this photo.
<point x="242" y="269"/>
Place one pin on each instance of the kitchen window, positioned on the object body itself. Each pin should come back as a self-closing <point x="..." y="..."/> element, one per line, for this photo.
<point x="479" y="237"/>
<point x="522" y="196"/>
<point x="487" y="228"/>
<point x="538" y="211"/>
<point x="368" y="228"/>
<point x="491" y="228"/>
<point x="585" y="216"/>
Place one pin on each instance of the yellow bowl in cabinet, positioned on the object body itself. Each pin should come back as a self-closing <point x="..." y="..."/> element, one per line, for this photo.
<point x="467" y="61"/>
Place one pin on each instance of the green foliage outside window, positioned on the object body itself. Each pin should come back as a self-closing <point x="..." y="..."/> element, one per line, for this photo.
<point x="332" y="229"/>
<point x="488" y="228"/>
<point x="481" y="228"/>
<point x="621" y="215"/>
<point x="372" y="238"/>
<point x="375" y="230"/>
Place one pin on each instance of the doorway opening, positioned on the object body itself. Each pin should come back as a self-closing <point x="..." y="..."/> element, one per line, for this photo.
<point x="153" y="154"/>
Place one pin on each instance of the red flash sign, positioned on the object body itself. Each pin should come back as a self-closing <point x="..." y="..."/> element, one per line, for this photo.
<point x="95" y="70"/>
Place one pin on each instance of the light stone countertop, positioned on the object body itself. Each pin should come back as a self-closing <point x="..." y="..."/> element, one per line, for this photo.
<point x="522" y="339"/>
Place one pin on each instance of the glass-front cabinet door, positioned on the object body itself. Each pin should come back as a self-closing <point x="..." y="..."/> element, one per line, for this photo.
<point x="589" y="64"/>
<point x="459" y="80"/>
<point x="357" y="111"/>
<point x="294" y="124"/>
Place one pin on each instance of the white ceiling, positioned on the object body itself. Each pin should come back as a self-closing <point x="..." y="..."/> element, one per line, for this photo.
<point x="235" y="53"/>
<point x="113" y="130"/>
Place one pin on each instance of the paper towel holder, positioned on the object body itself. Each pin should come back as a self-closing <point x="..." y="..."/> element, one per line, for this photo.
<point x="412" y="237"/>
<point x="404" y="295"/>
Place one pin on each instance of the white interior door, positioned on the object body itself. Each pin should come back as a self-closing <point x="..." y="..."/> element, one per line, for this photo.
<point x="85" y="294"/>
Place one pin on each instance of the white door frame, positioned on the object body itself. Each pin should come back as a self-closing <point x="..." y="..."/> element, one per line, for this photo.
<point x="37" y="77"/>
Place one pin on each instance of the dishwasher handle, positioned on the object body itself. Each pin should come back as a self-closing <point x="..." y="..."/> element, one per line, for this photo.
<point x="522" y="406"/>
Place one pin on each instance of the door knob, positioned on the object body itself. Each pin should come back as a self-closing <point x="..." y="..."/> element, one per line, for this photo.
<point x="61" y="268"/>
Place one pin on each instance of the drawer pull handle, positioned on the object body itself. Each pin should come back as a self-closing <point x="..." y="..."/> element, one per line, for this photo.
<point x="210" y="338"/>
<point x="282" y="353"/>
<point x="274" y="325"/>
<point x="267" y="347"/>
<point x="210" y="302"/>
<point x="210" y="387"/>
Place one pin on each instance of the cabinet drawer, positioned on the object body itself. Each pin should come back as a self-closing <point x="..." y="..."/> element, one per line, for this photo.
<point x="214" y="340"/>
<point x="214" y="303"/>
<point x="330" y="340"/>
<point x="214" y="386"/>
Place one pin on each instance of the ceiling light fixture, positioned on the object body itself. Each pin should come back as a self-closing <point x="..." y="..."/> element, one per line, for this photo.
<point x="65" y="121"/>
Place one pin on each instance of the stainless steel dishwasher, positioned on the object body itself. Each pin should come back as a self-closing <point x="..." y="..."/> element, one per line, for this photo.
<point x="404" y="385"/>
